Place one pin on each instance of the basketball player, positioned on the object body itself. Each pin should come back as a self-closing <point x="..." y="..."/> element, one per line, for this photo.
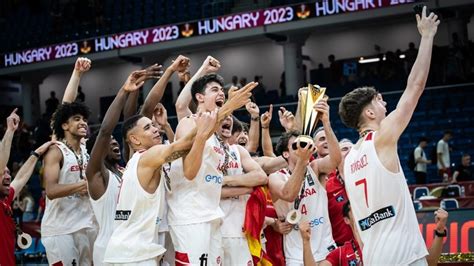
<point x="373" y="177"/>
<point x="68" y="227"/>
<point x="194" y="214"/>
<point x="104" y="174"/>
<point x="350" y="253"/>
<point x="337" y="197"/>
<point x="298" y="189"/>
<point x="241" y="174"/>
<point x="138" y="215"/>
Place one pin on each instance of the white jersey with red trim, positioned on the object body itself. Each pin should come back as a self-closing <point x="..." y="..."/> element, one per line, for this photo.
<point x="312" y="203"/>
<point x="382" y="208"/>
<point x="104" y="210"/>
<point x="197" y="200"/>
<point x="135" y="237"/>
<point x="72" y="213"/>
<point x="234" y="208"/>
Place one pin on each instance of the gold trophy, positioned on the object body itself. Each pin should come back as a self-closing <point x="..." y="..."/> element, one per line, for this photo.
<point x="309" y="117"/>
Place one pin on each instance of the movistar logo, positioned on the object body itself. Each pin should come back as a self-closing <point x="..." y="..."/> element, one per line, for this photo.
<point x="382" y="214"/>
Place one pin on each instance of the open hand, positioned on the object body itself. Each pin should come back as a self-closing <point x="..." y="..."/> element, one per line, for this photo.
<point x="43" y="148"/>
<point x="282" y="227"/>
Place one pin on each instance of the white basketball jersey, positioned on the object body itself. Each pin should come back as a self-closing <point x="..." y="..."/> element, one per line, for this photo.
<point x="234" y="208"/>
<point x="197" y="200"/>
<point x="313" y="206"/>
<point x="104" y="210"/>
<point x="135" y="237"/>
<point x="69" y="214"/>
<point x="382" y="208"/>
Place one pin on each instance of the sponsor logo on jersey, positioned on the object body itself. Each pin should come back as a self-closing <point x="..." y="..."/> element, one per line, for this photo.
<point x="216" y="179"/>
<point x="122" y="215"/>
<point x="75" y="168"/>
<point x="203" y="259"/>
<point x="313" y="223"/>
<point x="359" y="164"/>
<point x="377" y="216"/>
<point x="218" y="150"/>
<point x="340" y="198"/>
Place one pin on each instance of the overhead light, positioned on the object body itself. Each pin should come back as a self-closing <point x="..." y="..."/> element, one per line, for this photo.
<point x="368" y="60"/>
<point x="384" y="58"/>
<point x="402" y="56"/>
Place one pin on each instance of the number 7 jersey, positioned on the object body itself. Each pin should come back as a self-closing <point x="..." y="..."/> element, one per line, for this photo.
<point x="382" y="208"/>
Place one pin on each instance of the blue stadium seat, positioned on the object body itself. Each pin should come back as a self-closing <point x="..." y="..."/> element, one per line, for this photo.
<point x="419" y="192"/>
<point x="449" y="204"/>
<point x="418" y="205"/>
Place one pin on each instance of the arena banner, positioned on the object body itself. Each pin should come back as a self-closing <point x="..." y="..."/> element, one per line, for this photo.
<point x="227" y="23"/>
<point x="460" y="226"/>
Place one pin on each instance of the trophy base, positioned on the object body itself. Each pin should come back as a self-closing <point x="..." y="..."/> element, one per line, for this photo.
<point x="304" y="140"/>
<point x="293" y="217"/>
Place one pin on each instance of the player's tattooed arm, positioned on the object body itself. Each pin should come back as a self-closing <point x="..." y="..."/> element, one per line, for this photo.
<point x="176" y="155"/>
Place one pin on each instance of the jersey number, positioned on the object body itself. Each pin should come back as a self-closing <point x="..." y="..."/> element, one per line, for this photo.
<point x="363" y="182"/>
<point x="303" y="209"/>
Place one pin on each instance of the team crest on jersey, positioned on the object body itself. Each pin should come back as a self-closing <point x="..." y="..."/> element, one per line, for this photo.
<point x="233" y="155"/>
<point x="352" y="262"/>
<point x="377" y="216"/>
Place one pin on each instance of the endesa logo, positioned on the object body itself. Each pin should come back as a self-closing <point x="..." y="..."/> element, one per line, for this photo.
<point x="380" y="215"/>
<point x="213" y="179"/>
<point x="313" y="223"/>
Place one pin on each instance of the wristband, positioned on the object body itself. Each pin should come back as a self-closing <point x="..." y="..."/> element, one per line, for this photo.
<point x="35" y="154"/>
<point x="255" y="118"/>
<point x="265" y="127"/>
<point x="444" y="234"/>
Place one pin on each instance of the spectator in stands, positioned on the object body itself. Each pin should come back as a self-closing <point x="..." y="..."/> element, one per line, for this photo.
<point x="442" y="152"/>
<point x="410" y="56"/>
<point x="420" y="161"/>
<point x="51" y="103"/>
<point x="335" y="69"/>
<point x="463" y="172"/>
<point x="235" y="81"/>
<point x="81" y="97"/>
<point x="243" y="81"/>
<point x="28" y="204"/>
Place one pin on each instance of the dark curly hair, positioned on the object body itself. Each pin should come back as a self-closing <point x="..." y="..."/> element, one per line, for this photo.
<point x="282" y="144"/>
<point x="352" y="104"/>
<point x="199" y="86"/>
<point x="63" y="113"/>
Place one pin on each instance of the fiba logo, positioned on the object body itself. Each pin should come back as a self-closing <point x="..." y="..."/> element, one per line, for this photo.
<point x="203" y="259"/>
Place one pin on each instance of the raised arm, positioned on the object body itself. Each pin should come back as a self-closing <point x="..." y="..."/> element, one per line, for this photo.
<point x="27" y="168"/>
<point x="271" y="164"/>
<point x="265" y="121"/>
<point x="254" y="131"/>
<point x="288" y="190"/>
<point x="96" y="172"/>
<point x="180" y="64"/>
<point x="13" y="120"/>
<point x="333" y="159"/>
<point x="160" y="116"/>
<point x="441" y="217"/>
<point x="210" y="65"/>
<point x="395" y="123"/>
<point x="287" y="119"/>
<point x="52" y="167"/>
<point x="156" y="156"/>
<point x="253" y="175"/>
<point x="81" y="66"/>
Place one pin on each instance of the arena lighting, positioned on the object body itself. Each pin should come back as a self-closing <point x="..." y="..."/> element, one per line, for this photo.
<point x="368" y="60"/>
<point x="402" y="56"/>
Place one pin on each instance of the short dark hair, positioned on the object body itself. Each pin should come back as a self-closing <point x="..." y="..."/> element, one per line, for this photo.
<point x="199" y="86"/>
<point x="423" y="138"/>
<point x="63" y="113"/>
<point x="130" y="123"/>
<point x="236" y="125"/>
<point x="448" y="131"/>
<point x="352" y="104"/>
<point x="346" y="208"/>
<point x="282" y="144"/>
